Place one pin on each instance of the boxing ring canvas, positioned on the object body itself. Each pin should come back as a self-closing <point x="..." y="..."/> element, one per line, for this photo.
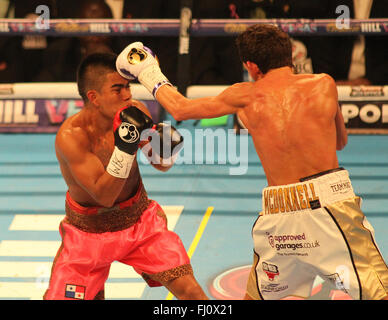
<point x="32" y="194"/>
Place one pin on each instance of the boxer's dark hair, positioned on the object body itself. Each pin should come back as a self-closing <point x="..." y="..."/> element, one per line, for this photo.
<point x="92" y="71"/>
<point x="265" y="45"/>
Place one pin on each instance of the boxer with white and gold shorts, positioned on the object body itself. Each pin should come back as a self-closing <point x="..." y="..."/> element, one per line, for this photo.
<point x="315" y="228"/>
<point x="307" y="228"/>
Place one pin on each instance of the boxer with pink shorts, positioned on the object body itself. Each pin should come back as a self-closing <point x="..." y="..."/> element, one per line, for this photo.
<point x="109" y="216"/>
<point x="133" y="232"/>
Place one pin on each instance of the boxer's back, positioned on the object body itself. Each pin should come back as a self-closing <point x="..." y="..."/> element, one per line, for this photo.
<point x="291" y="120"/>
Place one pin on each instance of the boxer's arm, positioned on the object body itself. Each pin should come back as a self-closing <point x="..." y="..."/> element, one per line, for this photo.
<point x="138" y="61"/>
<point x="342" y="135"/>
<point x="327" y="99"/>
<point x="146" y="149"/>
<point x="332" y="99"/>
<point x="147" y="152"/>
<point x="87" y="170"/>
<point x="164" y="142"/>
<point x="181" y="108"/>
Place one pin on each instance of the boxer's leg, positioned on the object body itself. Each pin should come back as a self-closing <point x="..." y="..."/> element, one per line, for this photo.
<point x="160" y="256"/>
<point x="252" y="289"/>
<point x="185" y="288"/>
<point x="366" y="260"/>
<point x="78" y="272"/>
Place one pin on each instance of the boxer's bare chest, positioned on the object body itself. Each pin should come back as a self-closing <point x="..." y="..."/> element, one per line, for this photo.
<point x="102" y="146"/>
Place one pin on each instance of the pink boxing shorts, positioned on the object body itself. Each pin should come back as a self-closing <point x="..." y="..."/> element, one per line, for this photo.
<point x="133" y="232"/>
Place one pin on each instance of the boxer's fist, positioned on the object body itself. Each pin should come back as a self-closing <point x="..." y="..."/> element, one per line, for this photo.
<point x="171" y="141"/>
<point x="134" y="59"/>
<point x="128" y="125"/>
<point x="166" y="142"/>
<point x="139" y="62"/>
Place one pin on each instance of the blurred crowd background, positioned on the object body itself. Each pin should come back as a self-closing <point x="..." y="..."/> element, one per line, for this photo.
<point x="353" y="60"/>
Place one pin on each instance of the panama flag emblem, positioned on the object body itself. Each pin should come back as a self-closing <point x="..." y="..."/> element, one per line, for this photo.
<point x="75" y="292"/>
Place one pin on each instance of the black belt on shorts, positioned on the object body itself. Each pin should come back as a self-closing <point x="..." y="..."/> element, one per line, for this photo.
<point x="320" y="174"/>
<point x="109" y="219"/>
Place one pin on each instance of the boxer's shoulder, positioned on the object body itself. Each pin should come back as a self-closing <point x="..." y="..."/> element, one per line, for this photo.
<point x="314" y="86"/>
<point x="237" y="95"/>
<point x="72" y="134"/>
<point x="243" y="85"/>
<point x="238" y="89"/>
<point x="320" y="79"/>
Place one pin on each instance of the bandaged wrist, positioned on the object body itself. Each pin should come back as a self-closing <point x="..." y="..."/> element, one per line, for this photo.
<point x="120" y="163"/>
<point x="152" y="78"/>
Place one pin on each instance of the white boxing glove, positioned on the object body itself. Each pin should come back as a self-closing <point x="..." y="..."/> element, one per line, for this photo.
<point x="139" y="62"/>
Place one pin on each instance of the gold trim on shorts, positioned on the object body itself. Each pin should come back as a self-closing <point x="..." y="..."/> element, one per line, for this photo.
<point x="371" y="269"/>
<point x="169" y="275"/>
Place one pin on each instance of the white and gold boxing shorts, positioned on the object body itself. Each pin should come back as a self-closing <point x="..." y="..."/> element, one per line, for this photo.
<point x="315" y="228"/>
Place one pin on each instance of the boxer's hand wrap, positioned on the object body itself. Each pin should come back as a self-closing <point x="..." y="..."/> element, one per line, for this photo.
<point x="138" y="62"/>
<point x="166" y="142"/>
<point x="128" y="124"/>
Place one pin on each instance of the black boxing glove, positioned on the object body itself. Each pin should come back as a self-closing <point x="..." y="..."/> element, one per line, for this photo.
<point x="128" y="124"/>
<point x="166" y="142"/>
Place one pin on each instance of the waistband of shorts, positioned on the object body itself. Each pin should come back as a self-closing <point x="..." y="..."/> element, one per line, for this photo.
<point x="311" y="193"/>
<point x="100" y="219"/>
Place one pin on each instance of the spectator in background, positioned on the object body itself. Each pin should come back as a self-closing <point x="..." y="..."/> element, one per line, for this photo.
<point x="280" y="9"/>
<point x="350" y="60"/>
<point x="21" y="57"/>
<point x="64" y="54"/>
<point x="265" y="9"/>
<point x="58" y="59"/>
<point x="275" y="9"/>
<point x="145" y="9"/>
<point x="214" y="60"/>
<point x="117" y="8"/>
<point x="8" y="47"/>
<point x="67" y="8"/>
